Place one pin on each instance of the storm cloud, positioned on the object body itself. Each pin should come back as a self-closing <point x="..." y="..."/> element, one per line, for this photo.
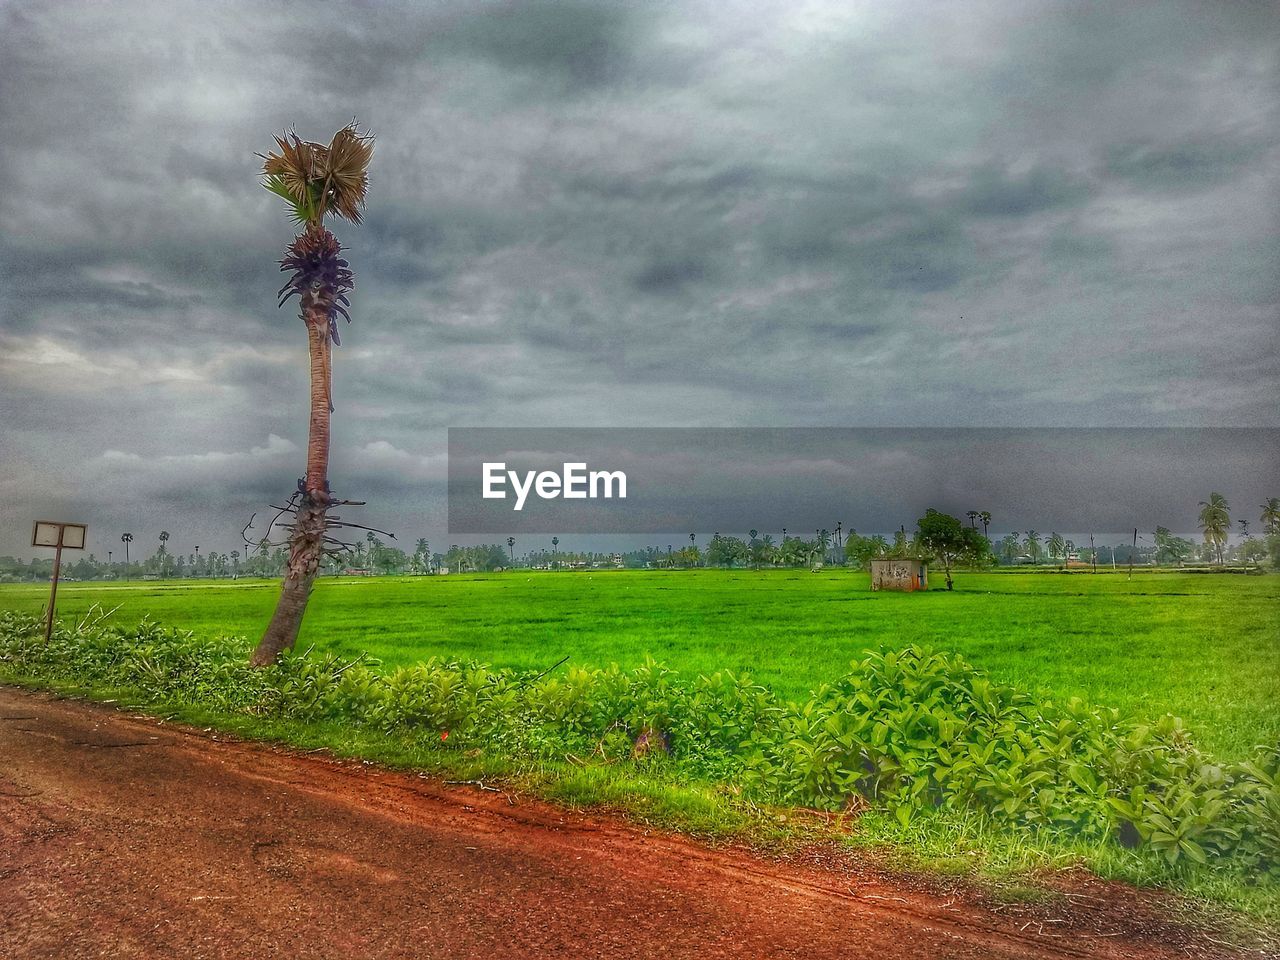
<point x="616" y="214"/>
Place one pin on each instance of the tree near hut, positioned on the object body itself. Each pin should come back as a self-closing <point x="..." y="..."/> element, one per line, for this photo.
<point x="315" y="181"/>
<point x="950" y="542"/>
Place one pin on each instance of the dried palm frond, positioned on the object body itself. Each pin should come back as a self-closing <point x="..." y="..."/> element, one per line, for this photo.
<point x="317" y="180"/>
<point x="346" y="170"/>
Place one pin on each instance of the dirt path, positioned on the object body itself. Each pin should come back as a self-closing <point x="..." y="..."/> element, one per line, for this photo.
<point x="122" y="836"/>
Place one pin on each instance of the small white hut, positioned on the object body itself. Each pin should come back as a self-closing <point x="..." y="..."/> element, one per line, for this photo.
<point x="906" y="574"/>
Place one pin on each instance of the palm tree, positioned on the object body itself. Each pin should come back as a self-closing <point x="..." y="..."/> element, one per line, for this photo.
<point x="126" y="539"/>
<point x="315" y="181"/>
<point x="1271" y="515"/>
<point x="973" y="518"/>
<point x="1215" y="523"/>
<point x="235" y="563"/>
<point x="511" y="546"/>
<point x="1032" y="543"/>
<point x="1056" y="545"/>
<point x="555" y="542"/>
<point x="984" y="518"/>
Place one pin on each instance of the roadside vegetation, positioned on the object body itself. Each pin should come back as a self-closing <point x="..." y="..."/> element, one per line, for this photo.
<point x="906" y="747"/>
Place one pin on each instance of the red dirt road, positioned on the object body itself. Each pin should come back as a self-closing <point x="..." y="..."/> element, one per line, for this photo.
<point x="123" y="836"/>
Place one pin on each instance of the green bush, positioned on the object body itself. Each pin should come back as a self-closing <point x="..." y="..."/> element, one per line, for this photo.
<point x="909" y="731"/>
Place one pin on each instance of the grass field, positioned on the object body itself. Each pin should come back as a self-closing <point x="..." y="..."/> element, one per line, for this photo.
<point x="1206" y="648"/>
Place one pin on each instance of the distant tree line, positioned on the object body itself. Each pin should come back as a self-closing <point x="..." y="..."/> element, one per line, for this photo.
<point x="937" y="536"/>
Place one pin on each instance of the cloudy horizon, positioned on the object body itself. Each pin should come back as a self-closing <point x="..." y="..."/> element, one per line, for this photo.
<point x="617" y="215"/>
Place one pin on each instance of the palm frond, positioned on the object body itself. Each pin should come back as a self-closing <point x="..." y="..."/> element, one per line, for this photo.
<point x="301" y="211"/>
<point x="346" y="170"/>
<point x="317" y="180"/>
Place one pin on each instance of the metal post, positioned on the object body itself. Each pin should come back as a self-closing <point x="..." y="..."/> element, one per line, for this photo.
<point x="53" y="588"/>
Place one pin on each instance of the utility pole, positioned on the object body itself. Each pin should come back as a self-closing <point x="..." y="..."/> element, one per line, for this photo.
<point x="1135" y="550"/>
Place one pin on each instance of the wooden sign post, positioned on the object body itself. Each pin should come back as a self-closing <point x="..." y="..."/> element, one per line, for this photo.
<point x="50" y="533"/>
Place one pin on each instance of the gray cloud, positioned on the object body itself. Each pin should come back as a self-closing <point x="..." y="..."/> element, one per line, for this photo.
<point x="597" y="213"/>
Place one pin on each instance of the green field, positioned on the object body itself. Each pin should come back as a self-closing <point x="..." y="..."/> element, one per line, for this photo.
<point x="1204" y="647"/>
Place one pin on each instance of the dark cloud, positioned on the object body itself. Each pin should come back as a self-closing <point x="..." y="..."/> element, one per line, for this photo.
<point x="995" y="193"/>
<point x="1194" y="165"/>
<point x="665" y="275"/>
<point x="579" y="44"/>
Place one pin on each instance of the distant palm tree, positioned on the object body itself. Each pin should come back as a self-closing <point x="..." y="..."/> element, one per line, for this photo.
<point x="511" y="546"/>
<point x="315" y="181"/>
<point x="1215" y="523"/>
<point x="1056" y="545"/>
<point x="1032" y="543"/>
<point x="555" y="542"/>
<point x="164" y="538"/>
<point x="824" y="542"/>
<point x="235" y="563"/>
<point x="1271" y="515"/>
<point x="973" y="518"/>
<point x="126" y="539"/>
<point x="984" y="517"/>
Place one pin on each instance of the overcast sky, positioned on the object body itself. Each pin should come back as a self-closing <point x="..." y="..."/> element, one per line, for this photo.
<point x="644" y="214"/>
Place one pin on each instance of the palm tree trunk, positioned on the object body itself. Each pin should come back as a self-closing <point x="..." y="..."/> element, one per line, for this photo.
<point x="306" y="543"/>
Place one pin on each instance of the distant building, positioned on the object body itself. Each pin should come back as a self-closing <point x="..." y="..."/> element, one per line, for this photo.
<point x="907" y="574"/>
